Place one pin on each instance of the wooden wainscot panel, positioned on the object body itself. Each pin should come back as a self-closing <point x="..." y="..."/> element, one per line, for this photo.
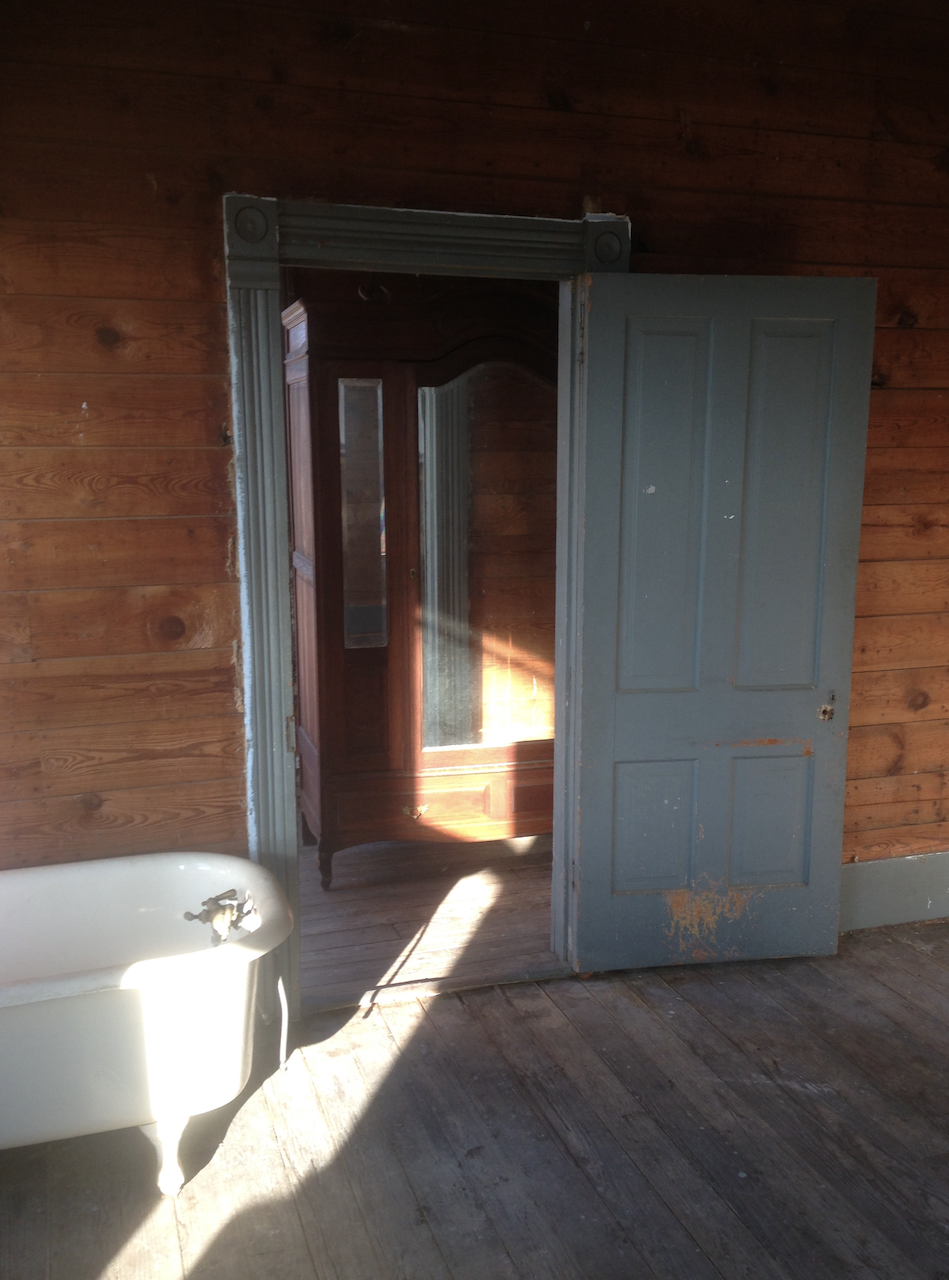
<point x="133" y="620"/>
<point x="811" y="35"/>
<point x="156" y="187"/>
<point x="894" y="697"/>
<point x="896" y="750"/>
<point x="910" y="419"/>
<point x="911" y="358"/>
<point x="509" y="514"/>
<point x="185" y="196"/>
<point x="317" y="121"/>
<point x="493" y="561"/>
<point x="902" y="586"/>
<point x="896" y="842"/>
<point x="894" y="813"/>
<point x="72" y="260"/>
<point x="927" y="460"/>
<point x="103" y="411"/>
<point x="127" y="186"/>
<point x="909" y="299"/>
<point x="68" y="483"/>
<point x="102" y="824"/>
<point x="728" y="224"/>
<point x="369" y="56"/>
<point x="906" y="476"/>
<point x="113" y="757"/>
<point x="14" y="627"/>
<point x="102" y="335"/>
<point x="530" y="470"/>
<point x="888" y="644"/>
<point x="59" y="692"/>
<point x="316" y="125"/>
<point x="902" y="787"/>
<point x="899" y="789"/>
<point x="499" y="599"/>
<point x="914" y="532"/>
<point x="50" y="554"/>
<point x="780" y="74"/>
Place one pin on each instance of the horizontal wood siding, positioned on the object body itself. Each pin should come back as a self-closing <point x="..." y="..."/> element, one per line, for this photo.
<point x="764" y="138"/>
<point x="121" y="726"/>
<point x="897" y="801"/>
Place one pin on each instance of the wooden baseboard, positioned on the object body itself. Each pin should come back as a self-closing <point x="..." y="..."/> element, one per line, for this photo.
<point x="894" y="891"/>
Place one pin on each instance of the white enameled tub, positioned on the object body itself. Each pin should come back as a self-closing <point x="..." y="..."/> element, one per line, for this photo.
<point x="115" y="1008"/>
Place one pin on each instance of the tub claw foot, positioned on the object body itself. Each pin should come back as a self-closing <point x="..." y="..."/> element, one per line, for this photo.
<point x="164" y="1135"/>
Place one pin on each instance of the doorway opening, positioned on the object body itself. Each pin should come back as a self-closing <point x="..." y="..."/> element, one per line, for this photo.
<point x="422" y="420"/>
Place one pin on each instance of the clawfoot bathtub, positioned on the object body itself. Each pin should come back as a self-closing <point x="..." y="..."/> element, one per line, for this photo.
<point x="122" y="1002"/>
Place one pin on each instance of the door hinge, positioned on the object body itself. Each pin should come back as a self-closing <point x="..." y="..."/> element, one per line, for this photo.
<point x="292" y="735"/>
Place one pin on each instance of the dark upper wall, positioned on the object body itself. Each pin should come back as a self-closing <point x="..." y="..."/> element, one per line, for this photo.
<point x="767" y="137"/>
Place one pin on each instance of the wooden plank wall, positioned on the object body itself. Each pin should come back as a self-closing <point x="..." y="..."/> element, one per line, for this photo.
<point x="762" y="136"/>
<point x="511" y="561"/>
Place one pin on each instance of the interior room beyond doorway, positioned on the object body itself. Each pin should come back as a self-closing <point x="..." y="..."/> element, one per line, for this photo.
<point x="423" y="419"/>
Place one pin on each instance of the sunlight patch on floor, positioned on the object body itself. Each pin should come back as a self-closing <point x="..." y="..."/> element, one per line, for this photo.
<point x="461" y="911"/>
<point x="459" y="916"/>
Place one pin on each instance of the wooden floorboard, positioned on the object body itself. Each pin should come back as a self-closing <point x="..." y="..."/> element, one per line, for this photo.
<point x="650" y="1226"/>
<point x="739" y="1156"/>
<point x="756" y="1121"/>
<point x="718" y="1030"/>
<point x="405" y="920"/>
<point x="445" y="1199"/>
<point x="866" y="1036"/>
<point x="716" y="1229"/>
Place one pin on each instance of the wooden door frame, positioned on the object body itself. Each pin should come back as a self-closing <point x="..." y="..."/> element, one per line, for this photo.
<point x="260" y="237"/>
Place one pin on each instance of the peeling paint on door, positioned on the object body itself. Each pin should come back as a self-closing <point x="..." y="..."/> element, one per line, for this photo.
<point x="806" y="743"/>
<point x="695" y="916"/>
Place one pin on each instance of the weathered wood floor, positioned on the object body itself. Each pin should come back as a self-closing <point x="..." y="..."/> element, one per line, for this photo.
<point x="412" y="919"/>
<point x="761" y="1120"/>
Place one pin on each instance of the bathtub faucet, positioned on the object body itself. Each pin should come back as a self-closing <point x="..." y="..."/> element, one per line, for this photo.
<point x="225" y="912"/>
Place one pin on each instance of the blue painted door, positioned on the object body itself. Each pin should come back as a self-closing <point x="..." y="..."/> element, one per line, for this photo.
<point x="711" y="513"/>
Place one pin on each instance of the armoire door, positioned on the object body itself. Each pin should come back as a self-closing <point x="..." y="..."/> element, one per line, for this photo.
<point x="714" y="496"/>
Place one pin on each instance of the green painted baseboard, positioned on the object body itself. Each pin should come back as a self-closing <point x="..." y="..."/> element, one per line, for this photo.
<point x="894" y="891"/>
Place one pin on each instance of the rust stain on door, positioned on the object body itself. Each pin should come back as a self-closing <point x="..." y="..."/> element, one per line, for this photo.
<point x="695" y="916"/>
<point x="806" y="743"/>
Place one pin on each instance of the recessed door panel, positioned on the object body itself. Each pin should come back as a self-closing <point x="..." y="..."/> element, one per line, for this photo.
<point x="785" y="494"/>
<point x="653" y="821"/>
<point x="663" y="476"/>
<point x="770" y="820"/>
